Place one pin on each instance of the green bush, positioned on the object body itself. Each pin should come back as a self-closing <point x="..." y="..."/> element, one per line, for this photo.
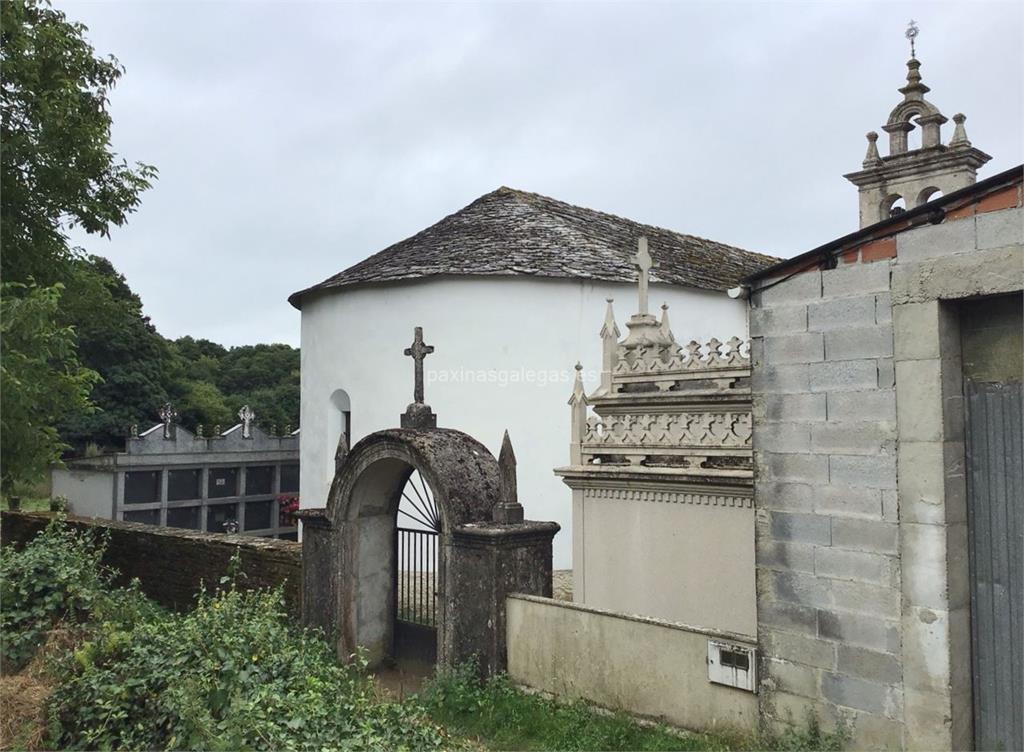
<point x="233" y="673"/>
<point x="56" y="578"/>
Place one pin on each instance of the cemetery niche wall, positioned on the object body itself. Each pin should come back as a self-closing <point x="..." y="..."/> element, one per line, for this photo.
<point x="356" y="574"/>
<point x="242" y="480"/>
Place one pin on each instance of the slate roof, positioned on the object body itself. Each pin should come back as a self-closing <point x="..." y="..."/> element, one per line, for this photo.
<point x="515" y="233"/>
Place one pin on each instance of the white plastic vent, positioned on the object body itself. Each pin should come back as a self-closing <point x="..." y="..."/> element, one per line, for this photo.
<point x="732" y="665"/>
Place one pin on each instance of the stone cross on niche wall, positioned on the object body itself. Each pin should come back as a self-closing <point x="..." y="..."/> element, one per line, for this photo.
<point x="167" y="416"/>
<point x="644" y="261"/>
<point x="247" y="416"/>
<point x="418" y="414"/>
<point x="418" y="351"/>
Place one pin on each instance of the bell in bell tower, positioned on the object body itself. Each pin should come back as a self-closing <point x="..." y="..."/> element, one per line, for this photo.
<point x="908" y="176"/>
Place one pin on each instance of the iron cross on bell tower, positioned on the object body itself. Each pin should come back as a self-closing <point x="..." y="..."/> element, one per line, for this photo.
<point x="418" y="414"/>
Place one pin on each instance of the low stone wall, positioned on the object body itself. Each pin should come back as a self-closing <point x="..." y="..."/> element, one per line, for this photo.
<point x="171" y="564"/>
<point x="643" y="666"/>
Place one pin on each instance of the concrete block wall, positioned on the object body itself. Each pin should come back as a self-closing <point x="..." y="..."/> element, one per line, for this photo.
<point x="828" y="569"/>
<point x="977" y="252"/>
<point x="862" y="556"/>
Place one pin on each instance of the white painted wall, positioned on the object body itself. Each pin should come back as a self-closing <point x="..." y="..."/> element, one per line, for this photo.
<point x="89" y="493"/>
<point x="524" y="334"/>
<point x="640" y="665"/>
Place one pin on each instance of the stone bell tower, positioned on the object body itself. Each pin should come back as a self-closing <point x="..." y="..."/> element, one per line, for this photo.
<point x="914" y="175"/>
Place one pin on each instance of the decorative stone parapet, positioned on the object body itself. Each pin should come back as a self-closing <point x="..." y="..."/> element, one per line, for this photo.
<point x="679" y="408"/>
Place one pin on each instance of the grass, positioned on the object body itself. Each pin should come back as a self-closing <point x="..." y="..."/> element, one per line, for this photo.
<point x="31" y="504"/>
<point x="497" y="715"/>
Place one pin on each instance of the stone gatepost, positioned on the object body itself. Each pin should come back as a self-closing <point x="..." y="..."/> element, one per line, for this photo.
<point x="318" y="576"/>
<point x="486" y="563"/>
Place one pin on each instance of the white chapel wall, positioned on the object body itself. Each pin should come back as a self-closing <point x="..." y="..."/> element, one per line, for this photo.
<point x="517" y="327"/>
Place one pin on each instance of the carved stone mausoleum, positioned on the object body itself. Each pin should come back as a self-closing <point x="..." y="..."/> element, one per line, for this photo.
<point x="356" y="575"/>
<point x="663" y="523"/>
<point x="663" y="621"/>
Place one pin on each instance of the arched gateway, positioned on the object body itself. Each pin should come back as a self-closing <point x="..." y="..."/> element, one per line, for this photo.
<point x="484" y="548"/>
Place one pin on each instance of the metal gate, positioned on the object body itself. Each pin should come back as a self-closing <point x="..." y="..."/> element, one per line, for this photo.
<point x="417" y="572"/>
<point x="995" y="504"/>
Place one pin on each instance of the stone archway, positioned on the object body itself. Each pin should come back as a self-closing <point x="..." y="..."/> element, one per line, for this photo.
<point x="363" y="506"/>
<point x="486" y="549"/>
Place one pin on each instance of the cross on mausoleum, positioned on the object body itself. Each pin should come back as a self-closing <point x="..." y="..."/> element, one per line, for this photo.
<point x="418" y="351"/>
<point x="644" y="261"/>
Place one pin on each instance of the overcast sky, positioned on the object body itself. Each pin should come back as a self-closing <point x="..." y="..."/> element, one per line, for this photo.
<point x="295" y="139"/>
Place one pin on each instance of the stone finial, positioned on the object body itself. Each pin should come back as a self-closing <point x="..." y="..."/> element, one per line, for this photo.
<point x="199" y="431"/>
<point x="578" y="405"/>
<point x="247" y="416"/>
<point x="341" y="452"/>
<point x="216" y="430"/>
<point x="610" y="330"/>
<point x="418" y="414"/>
<point x="609" y="345"/>
<point x="507" y="470"/>
<point x="872" y="158"/>
<point x="133" y="430"/>
<point x="287" y="429"/>
<point x="915" y="88"/>
<point x="508" y="511"/>
<point x="578" y="395"/>
<point x="666" y="328"/>
<point x="168" y="416"/>
<point x="959" y="132"/>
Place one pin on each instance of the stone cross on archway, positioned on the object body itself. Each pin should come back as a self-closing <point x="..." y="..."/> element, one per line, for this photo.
<point x="418" y="414"/>
<point x="486" y="550"/>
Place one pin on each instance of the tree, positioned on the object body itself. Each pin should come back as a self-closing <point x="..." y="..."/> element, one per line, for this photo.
<point x="57" y="171"/>
<point x="57" y="167"/>
<point x="140" y="370"/>
<point x="266" y="377"/>
<point x="251" y="367"/>
<point x="41" y="381"/>
<point x="200" y="358"/>
<point x="204" y="405"/>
